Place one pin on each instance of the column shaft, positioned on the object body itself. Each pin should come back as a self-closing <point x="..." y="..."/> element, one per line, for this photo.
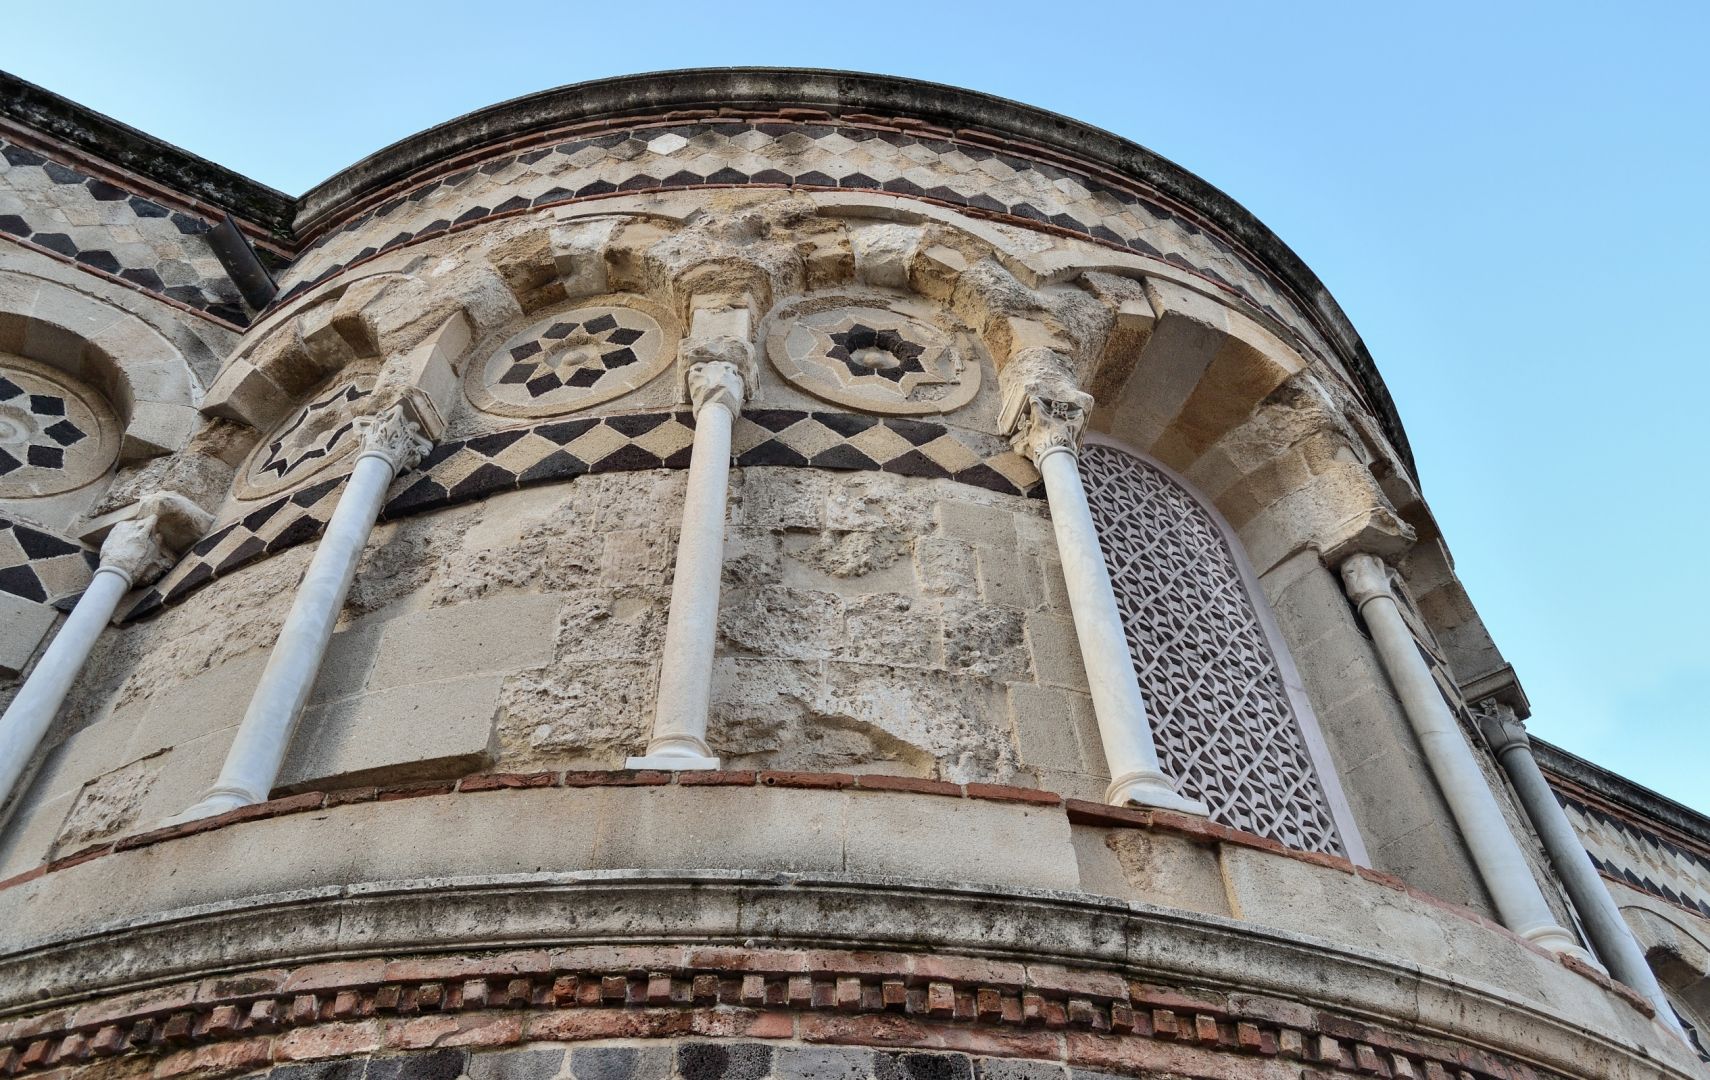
<point x="263" y="738"/>
<point x="1610" y="935"/>
<point x="1495" y="852"/>
<point x="32" y="711"/>
<point x="685" y="677"/>
<point x="1124" y="729"/>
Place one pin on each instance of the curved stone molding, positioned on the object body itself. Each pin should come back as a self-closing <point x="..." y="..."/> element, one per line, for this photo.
<point x="55" y="434"/>
<point x="873" y="357"/>
<point x="574" y="359"/>
<point x="139" y="373"/>
<point x="351" y="948"/>
<point x="321" y="434"/>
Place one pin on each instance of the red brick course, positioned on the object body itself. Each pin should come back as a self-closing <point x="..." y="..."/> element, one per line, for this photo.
<point x="1085" y="1017"/>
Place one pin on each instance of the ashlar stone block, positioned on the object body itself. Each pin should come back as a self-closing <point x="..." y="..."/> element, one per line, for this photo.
<point x="497" y="634"/>
<point x="425" y="730"/>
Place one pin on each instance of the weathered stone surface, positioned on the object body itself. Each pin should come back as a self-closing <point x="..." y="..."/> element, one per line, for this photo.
<point x="790" y="623"/>
<point x="984" y="640"/>
<point x="595" y="713"/>
<point x="601" y="624"/>
<point x="853" y="554"/>
<point x="108" y="804"/>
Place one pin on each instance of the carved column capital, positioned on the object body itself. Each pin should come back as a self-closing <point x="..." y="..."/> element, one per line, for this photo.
<point x="1365" y="577"/>
<point x="1045" y="419"/>
<point x="716" y="382"/>
<point x="133" y="550"/>
<point x="1502" y="729"/>
<point x="144" y="546"/>
<point x="392" y="436"/>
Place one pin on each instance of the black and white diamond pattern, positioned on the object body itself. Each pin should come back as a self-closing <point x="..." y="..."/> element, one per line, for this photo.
<point x="34" y="429"/>
<point x="95" y="224"/>
<point x="462" y="470"/>
<point x="573" y="353"/>
<point x="42" y="567"/>
<point x="845" y="155"/>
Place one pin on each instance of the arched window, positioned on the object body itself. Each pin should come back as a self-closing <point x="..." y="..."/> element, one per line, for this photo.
<point x="1230" y="722"/>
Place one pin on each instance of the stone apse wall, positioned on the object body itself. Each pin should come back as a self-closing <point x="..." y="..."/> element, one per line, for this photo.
<point x="904" y="866"/>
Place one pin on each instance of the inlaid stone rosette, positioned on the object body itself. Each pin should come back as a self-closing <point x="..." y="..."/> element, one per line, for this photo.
<point x="316" y="436"/>
<point x="55" y="435"/>
<point x="872" y="356"/>
<point x="573" y="359"/>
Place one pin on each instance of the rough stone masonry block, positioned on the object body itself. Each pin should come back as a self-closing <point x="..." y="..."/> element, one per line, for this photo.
<point x="419" y="732"/>
<point x="23" y="624"/>
<point x="506" y="633"/>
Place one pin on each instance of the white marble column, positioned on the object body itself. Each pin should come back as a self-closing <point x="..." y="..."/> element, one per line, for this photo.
<point x="1048" y="432"/>
<point x="132" y="550"/>
<point x="685" y="676"/>
<point x="391" y="443"/>
<point x="1610" y="935"/>
<point x="1502" y="865"/>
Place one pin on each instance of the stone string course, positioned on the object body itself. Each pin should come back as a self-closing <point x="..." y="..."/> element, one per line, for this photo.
<point x="1078" y="811"/>
<point x="1081" y="1018"/>
<point x="464" y="470"/>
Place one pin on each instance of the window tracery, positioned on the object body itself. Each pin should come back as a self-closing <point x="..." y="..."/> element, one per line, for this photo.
<point x="1222" y="715"/>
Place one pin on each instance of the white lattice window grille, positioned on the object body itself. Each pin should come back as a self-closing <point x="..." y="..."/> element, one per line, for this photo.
<point x="1226" y="724"/>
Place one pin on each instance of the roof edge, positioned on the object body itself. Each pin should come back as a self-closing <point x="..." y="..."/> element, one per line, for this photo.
<point x="138" y="152"/>
<point x="1622" y="791"/>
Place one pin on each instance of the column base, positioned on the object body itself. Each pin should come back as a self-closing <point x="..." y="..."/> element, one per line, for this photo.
<point x="1152" y="789"/>
<point x="1560" y="942"/>
<point x="213" y="804"/>
<point x="672" y="762"/>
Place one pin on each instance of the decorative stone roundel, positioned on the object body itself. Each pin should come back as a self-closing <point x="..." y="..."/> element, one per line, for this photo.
<point x="55" y="435"/>
<point x="318" y="434"/>
<point x="572" y="360"/>
<point x="872" y="358"/>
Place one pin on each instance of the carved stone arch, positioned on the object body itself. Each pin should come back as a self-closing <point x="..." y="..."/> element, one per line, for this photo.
<point x="143" y="376"/>
<point x="1253" y="424"/>
<point x="1230" y="714"/>
<point x="1679" y="954"/>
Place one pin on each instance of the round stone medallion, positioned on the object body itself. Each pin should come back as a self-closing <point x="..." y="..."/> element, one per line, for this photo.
<point x="317" y="435"/>
<point x="55" y="434"/>
<point x="873" y="358"/>
<point x="573" y="359"/>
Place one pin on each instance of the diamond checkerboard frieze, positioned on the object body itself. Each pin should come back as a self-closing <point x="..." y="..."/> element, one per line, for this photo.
<point x="462" y="470"/>
<point x="97" y="225"/>
<point x="842" y="156"/>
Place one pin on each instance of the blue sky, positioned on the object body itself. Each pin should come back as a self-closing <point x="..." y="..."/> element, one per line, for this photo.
<point x="1507" y="199"/>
